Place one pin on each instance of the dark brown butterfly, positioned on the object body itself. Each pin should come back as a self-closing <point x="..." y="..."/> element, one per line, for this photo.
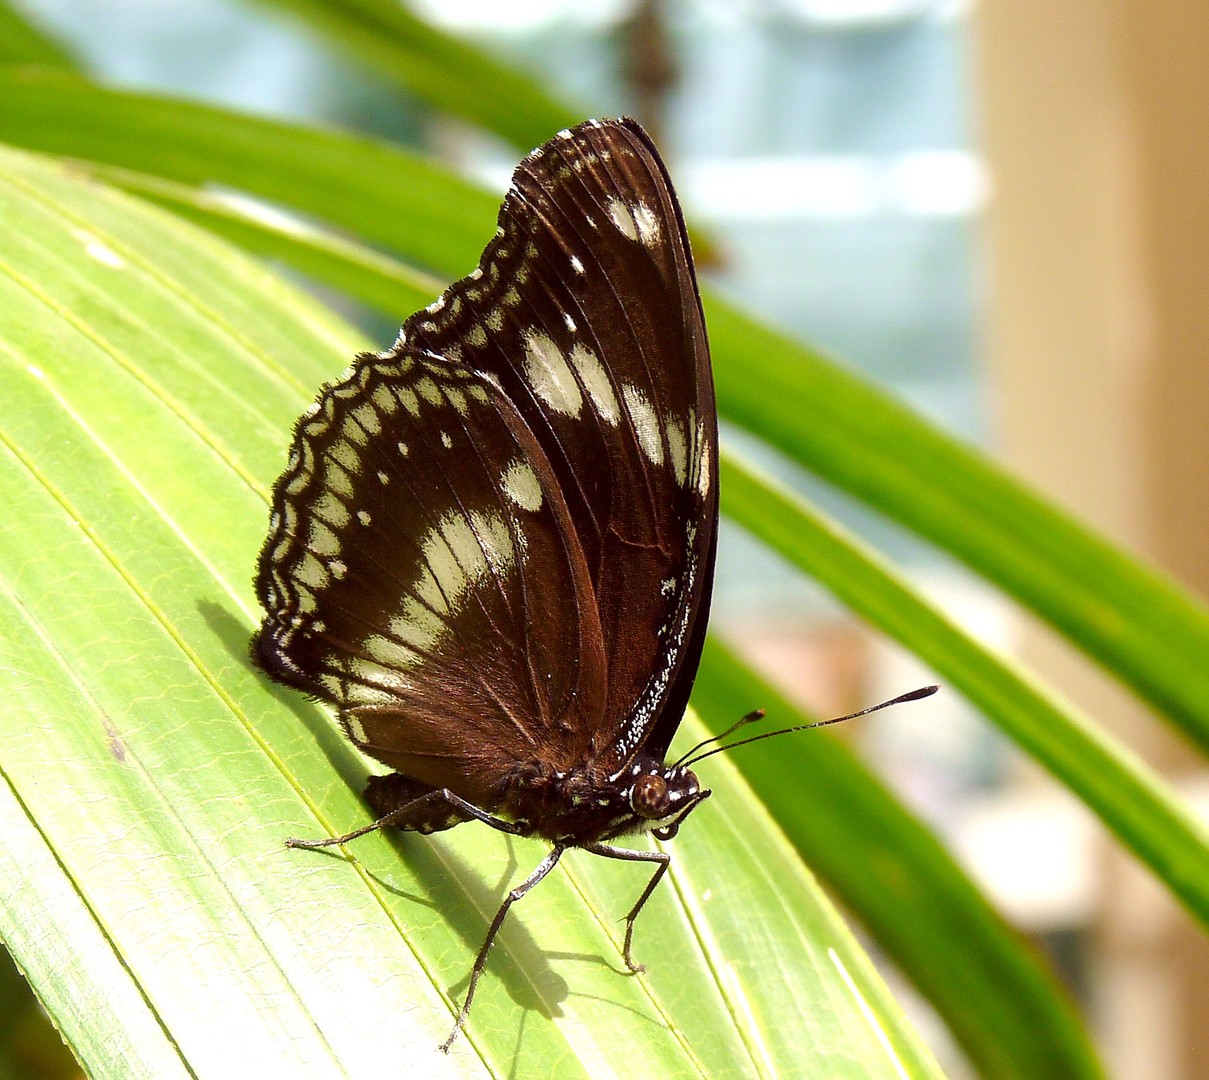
<point x="493" y="545"/>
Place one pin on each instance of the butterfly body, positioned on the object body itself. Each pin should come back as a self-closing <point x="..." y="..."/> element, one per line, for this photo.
<point x="492" y="548"/>
<point x="572" y="809"/>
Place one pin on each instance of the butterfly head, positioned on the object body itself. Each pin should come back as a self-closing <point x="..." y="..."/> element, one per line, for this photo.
<point x="658" y="797"/>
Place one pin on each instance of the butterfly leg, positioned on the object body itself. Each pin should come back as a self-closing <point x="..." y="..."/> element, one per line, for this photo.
<point x="480" y="961"/>
<point x="663" y="859"/>
<point x="438" y="809"/>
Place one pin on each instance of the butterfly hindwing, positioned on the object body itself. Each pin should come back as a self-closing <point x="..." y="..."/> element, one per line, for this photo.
<point x="418" y="536"/>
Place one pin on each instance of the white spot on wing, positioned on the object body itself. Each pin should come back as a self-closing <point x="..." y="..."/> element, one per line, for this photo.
<point x="596" y="381"/>
<point x="646" y="423"/>
<point x="410" y="402"/>
<point x="336" y="477"/>
<point x="550" y="376"/>
<point x="311" y="573"/>
<point x="621" y="216"/>
<point x="416" y="627"/>
<point x="428" y="587"/>
<point x="348" y="457"/>
<point x="701" y="451"/>
<point x="496" y="540"/>
<point x="428" y="390"/>
<point x="457" y="555"/>
<point x="385" y="400"/>
<point x="521" y="485"/>
<point x="647" y="223"/>
<point x="442" y="580"/>
<point x="366" y="417"/>
<point x="321" y="540"/>
<point x="677" y="448"/>
<point x="576" y="265"/>
<point x="457" y="399"/>
<point x="331" y="509"/>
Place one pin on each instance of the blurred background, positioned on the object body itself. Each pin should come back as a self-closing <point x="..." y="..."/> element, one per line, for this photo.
<point x="998" y="211"/>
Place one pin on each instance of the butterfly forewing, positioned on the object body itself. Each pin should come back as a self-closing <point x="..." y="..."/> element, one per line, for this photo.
<point x="585" y="309"/>
<point x="418" y="540"/>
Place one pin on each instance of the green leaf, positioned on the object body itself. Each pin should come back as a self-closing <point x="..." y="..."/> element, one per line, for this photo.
<point x="1002" y="1006"/>
<point x="445" y="71"/>
<point x="312" y="170"/>
<point x="24" y="42"/>
<point x="1140" y="625"/>
<point x="993" y="991"/>
<point x="1143" y="811"/>
<point x="151" y="376"/>
<point x="375" y="279"/>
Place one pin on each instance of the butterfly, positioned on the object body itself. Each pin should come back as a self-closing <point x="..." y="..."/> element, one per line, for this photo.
<point x="493" y="545"/>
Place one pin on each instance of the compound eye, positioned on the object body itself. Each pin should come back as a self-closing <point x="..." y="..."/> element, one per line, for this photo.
<point x="649" y="798"/>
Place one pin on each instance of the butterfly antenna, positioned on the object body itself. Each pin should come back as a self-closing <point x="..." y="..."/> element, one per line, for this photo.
<point x="751" y="717"/>
<point x="913" y="695"/>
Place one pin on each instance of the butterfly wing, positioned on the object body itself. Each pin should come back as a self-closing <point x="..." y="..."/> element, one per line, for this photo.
<point x="585" y="309"/>
<point x="418" y="537"/>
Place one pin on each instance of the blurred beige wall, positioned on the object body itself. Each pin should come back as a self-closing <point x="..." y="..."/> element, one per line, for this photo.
<point x="1094" y="119"/>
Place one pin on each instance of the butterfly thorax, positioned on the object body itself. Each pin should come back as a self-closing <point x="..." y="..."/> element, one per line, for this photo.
<point x="584" y="805"/>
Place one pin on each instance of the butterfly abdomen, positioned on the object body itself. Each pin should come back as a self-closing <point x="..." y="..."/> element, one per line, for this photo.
<point x="389" y="793"/>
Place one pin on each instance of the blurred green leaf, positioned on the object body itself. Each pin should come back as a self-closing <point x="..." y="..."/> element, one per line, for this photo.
<point x="316" y="171"/>
<point x="447" y="72"/>
<point x="375" y="279"/>
<point x="1140" y="625"/>
<point x="1142" y="810"/>
<point x="24" y="42"/>
<point x="990" y="987"/>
